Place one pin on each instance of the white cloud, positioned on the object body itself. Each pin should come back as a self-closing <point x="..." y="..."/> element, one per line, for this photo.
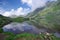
<point x="1" y="10"/>
<point x="18" y="12"/>
<point x="36" y="3"/>
<point x="24" y="11"/>
<point x="29" y="2"/>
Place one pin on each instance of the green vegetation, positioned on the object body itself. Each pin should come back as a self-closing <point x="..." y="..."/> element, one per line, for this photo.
<point x="20" y="19"/>
<point x="4" y="21"/>
<point x="27" y="36"/>
<point x="1" y="30"/>
<point x="49" y="17"/>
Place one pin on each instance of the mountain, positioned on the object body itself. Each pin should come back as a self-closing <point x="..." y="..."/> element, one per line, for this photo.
<point x="35" y="12"/>
<point x="49" y="17"/>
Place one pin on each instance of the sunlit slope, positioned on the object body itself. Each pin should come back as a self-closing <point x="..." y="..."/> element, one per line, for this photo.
<point x="49" y="17"/>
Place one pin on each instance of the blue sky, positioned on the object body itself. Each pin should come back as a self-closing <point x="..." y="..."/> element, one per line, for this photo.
<point x="12" y="4"/>
<point x="20" y="7"/>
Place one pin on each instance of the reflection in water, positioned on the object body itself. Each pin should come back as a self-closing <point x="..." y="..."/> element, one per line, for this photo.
<point x="57" y="34"/>
<point x="20" y="27"/>
<point x="24" y="27"/>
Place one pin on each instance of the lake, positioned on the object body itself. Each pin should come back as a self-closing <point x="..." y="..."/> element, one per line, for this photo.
<point x="17" y="28"/>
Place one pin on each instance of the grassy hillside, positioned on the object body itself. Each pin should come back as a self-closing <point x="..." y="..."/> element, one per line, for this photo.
<point x="4" y="20"/>
<point x="49" y="17"/>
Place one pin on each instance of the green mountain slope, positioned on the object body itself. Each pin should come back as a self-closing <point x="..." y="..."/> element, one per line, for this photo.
<point x="34" y="12"/>
<point x="4" y="20"/>
<point x="49" y="17"/>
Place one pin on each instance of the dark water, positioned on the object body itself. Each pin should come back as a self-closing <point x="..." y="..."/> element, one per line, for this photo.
<point x="17" y="28"/>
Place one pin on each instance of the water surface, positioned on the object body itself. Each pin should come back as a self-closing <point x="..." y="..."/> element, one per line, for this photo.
<point x="17" y="28"/>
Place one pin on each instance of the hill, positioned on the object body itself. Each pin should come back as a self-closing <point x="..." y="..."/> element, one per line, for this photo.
<point x="4" y="20"/>
<point x="49" y="17"/>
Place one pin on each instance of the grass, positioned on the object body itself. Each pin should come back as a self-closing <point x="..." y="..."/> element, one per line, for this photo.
<point x="28" y="36"/>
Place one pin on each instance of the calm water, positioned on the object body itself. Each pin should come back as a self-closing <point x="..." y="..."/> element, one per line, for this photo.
<point x="20" y="27"/>
<point x="24" y="27"/>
